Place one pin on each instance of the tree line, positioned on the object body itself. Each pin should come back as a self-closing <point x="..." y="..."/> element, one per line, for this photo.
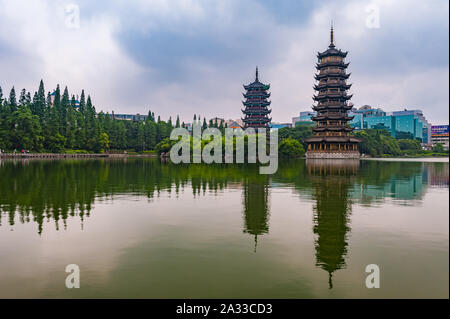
<point x="59" y="123"/>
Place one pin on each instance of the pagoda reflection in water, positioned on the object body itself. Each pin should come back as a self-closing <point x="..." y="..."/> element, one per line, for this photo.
<point x="256" y="208"/>
<point x="331" y="180"/>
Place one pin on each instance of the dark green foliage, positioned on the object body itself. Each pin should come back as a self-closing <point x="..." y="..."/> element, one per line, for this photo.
<point x="290" y="148"/>
<point x="438" y="148"/>
<point x="413" y="145"/>
<point x="378" y="143"/>
<point x="299" y="133"/>
<point x="56" y="124"/>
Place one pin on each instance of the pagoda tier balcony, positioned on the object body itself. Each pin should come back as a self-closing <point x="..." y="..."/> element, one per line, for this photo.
<point x="332" y="71"/>
<point x="335" y="84"/>
<point x="340" y="95"/>
<point x="257" y="104"/>
<point x="339" y="75"/>
<point x="331" y="116"/>
<point x="332" y="106"/>
<point x="257" y="95"/>
<point x="331" y="92"/>
<point x="332" y="128"/>
<point x="322" y="65"/>
<point x="256" y="111"/>
<point x="249" y="120"/>
<point x="256" y="126"/>
<point x="331" y="139"/>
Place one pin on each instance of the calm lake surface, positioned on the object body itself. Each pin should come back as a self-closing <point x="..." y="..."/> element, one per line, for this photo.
<point x="140" y="228"/>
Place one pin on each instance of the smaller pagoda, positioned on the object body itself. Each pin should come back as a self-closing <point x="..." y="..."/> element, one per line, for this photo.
<point x="256" y="105"/>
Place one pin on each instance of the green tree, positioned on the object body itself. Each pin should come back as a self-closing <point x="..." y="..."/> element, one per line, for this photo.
<point x="409" y="145"/>
<point x="290" y="148"/>
<point x="438" y="148"/>
<point x="12" y="98"/>
<point x="104" y="141"/>
<point x="300" y="133"/>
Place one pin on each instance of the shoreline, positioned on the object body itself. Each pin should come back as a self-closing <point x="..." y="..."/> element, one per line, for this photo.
<point x="67" y="155"/>
<point x="439" y="159"/>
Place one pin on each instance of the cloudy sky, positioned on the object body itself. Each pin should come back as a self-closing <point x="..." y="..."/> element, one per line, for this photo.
<point x="187" y="56"/>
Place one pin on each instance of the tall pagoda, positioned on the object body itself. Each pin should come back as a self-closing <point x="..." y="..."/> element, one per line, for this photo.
<point x="256" y="105"/>
<point x="331" y="139"/>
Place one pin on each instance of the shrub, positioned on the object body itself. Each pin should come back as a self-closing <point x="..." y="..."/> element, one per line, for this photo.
<point x="290" y="148"/>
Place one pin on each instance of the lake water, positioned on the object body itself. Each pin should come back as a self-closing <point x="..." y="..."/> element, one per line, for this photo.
<point x="140" y="228"/>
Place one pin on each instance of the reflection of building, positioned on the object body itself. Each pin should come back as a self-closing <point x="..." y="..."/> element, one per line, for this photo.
<point x="437" y="174"/>
<point x="331" y="139"/>
<point x="256" y="109"/>
<point x="439" y="134"/>
<point x="331" y="181"/>
<point x="256" y="210"/>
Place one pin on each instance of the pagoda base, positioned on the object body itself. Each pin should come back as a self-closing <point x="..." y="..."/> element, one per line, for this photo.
<point x="333" y="155"/>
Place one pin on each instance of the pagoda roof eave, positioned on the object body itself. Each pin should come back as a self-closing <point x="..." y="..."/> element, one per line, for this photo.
<point x="256" y="85"/>
<point x="332" y="51"/>
<point x="331" y="117"/>
<point x="333" y="139"/>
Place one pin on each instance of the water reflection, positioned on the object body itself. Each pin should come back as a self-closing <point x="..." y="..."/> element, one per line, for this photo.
<point x="256" y="207"/>
<point x="39" y="191"/>
<point x="331" y="181"/>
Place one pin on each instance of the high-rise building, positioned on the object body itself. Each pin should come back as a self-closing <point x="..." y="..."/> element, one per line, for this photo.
<point x="406" y="124"/>
<point x="331" y="139"/>
<point x="256" y="109"/>
<point x="440" y="134"/>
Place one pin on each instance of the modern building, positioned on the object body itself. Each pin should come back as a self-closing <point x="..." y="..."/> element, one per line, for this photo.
<point x="406" y="124"/>
<point x="129" y="117"/>
<point x="440" y="134"/>
<point x="305" y="117"/>
<point x="409" y="124"/>
<point x="256" y="111"/>
<point x="276" y="126"/>
<point x="331" y="139"/>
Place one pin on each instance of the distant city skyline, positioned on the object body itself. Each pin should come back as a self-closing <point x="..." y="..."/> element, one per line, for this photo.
<point x="183" y="57"/>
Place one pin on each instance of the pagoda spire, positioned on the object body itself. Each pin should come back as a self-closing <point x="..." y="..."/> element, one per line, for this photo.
<point x="256" y="76"/>
<point x="332" y="36"/>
